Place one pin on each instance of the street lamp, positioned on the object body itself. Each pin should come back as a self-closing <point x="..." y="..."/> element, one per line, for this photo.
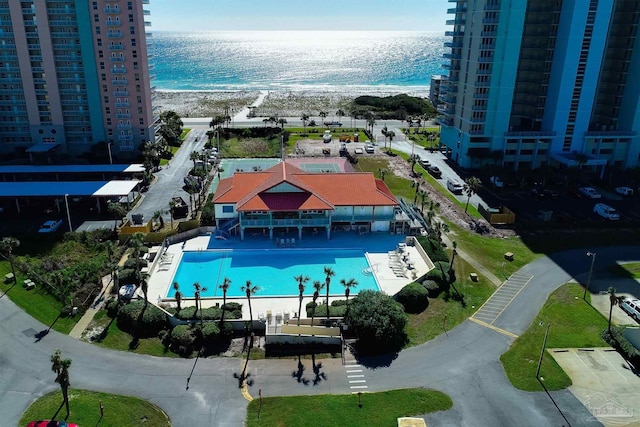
<point x="66" y="202"/>
<point x="110" y="157"/>
<point x="593" y="260"/>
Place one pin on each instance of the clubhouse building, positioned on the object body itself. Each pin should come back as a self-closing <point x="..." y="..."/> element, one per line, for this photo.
<point x="285" y="198"/>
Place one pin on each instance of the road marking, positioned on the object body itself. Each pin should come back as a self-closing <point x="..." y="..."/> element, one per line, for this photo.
<point x="501" y="299"/>
<point x="357" y="381"/>
<point x="359" y="386"/>
<point x="244" y="388"/>
<point x="353" y="370"/>
<point x="355" y="376"/>
<point x="495" y="328"/>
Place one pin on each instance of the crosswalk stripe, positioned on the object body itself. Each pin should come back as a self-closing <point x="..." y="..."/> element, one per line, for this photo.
<point x="359" y="386"/>
<point x="357" y="381"/>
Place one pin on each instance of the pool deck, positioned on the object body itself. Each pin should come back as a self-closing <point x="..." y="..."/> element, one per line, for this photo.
<point x="393" y="268"/>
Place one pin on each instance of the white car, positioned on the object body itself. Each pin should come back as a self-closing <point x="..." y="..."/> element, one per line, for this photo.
<point x="606" y="211"/>
<point x="50" y="226"/>
<point x="127" y="292"/>
<point x="368" y="147"/>
<point x="631" y="307"/>
<point x="495" y="180"/>
<point x="590" y="192"/>
<point x="455" y="187"/>
<point x="624" y="191"/>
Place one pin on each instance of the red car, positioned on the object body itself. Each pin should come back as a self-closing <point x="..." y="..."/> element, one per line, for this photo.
<point x="46" y="423"/>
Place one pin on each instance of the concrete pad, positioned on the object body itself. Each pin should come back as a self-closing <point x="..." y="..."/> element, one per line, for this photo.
<point x="604" y="382"/>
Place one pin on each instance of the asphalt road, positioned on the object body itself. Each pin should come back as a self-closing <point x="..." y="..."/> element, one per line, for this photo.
<point x="465" y="364"/>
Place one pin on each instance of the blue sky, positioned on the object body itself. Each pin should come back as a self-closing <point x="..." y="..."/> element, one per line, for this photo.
<point x="212" y="15"/>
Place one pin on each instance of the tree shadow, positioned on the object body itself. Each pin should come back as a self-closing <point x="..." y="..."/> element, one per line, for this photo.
<point x="58" y="411"/>
<point x="244" y="375"/>
<point x="7" y="291"/>
<point x="318" y="375"/>
<point x="298" y="373"/>
<point x="43" y="333"/>
<point x="105" y="331"/>
<point x="372" y="357"/>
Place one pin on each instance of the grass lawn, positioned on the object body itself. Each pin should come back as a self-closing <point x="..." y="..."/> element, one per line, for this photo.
<point x="37" y="303"/>
<point x="250" y="147"/>
<point x="173" y="150"/>
<point x="629" y="269"/>
<point x="574" y="323"/>
<point x="119" y="411"/>
<point x="184" y="133"/>
<point x="427" y="325"/>
<point x="378" y="409"/>
<point x="116" y="339"/>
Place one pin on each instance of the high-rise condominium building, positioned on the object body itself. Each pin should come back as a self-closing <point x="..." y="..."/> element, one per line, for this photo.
<point x="533" y="82"/>
<point x="74" y="73"/>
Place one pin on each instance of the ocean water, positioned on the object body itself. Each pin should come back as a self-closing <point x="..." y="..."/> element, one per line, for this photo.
<point x="364" y="61"/>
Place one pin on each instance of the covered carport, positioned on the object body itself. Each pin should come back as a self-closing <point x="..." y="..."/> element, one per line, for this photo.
<point x="62" y="191"/>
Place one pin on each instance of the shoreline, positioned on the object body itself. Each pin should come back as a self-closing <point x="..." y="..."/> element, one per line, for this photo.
<point x="281" y="102"/>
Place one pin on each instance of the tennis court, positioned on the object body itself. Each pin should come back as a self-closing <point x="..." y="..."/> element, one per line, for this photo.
<point x="320" y="167"/>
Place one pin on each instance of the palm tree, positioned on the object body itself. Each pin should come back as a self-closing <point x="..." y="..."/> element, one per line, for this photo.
<point x="390" y="134"/>
<point x="199" y="288"/>
<point x="453" y="253"/>
<point x="116" y="210"/>
<point x="329" y="273"/>
<point x="157" y="215"/>
<point x="613" y="300"/>
<point x="305" y="119"/>
<point x="348" y="284"/>
<point x="371" y="121"/>
<point x="172" y="206"/>
<point x="249" y="290"/>
<point x="7" y="245"/>
<point x="323" y="114"/>
<point x="61" y="367"/>
<point x="194" y="156"/>
<point x="471" y="186"/>
<point x="225" y="287"/>
<point x="317" y="285"/>
<point x="340" y="114"/>
<point x="177" y="295"/>
<point x="301" y="281"/>
<point x="423" y="196"/>
<point x="282" y="122"/>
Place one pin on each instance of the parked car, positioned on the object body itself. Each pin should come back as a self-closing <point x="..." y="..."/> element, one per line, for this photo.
<point x="424" y="163"/>
<point x="455" y="186"/>
<point x="538" y="193"/>
<point x="495" y="180"/>
<point x="326" y="137"/>
<point x="368" y="147"/>
<point x="435" y="171"/>
<point x="590" y="192"/>
<point x="624" y="191"/>
<point x="606" y="211"/>
<point x="127" y="292"/>
<point x="48" y="423"/>
<point x="50" y="226"/>
<point x="632" y="307"/>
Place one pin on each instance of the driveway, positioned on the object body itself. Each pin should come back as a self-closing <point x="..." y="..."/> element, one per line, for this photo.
<point x="604" y="382"/>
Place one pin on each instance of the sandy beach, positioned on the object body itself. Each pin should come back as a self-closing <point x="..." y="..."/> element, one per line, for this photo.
<point x="283" y="103"/>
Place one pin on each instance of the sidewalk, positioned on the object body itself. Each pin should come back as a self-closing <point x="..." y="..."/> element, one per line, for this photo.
<point x="86" y="319"/>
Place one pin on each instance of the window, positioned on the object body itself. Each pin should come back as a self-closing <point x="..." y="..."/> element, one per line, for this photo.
<point x="104" y="88"/>
<point x="96" y="17"/>
<point x="130" y="5"/>
<point x="130" y="18"/>
<point x="135" y="53"/>
<point x="99" y="42"/>
<point x="97" y="30"/>
<point x="132" y="30"/>
<point x="107" y="110"/>
<point x="95" y="5"/>
<point x="141" y="121"/>
<point x="106" y="99"/>
<point x="100" y="54"/>
<point x="133" y="43"/>
<point x="227" y="209"/>
<point x="102" y="65"/>
<point x="139" y="99"/>
<point x="108" y="121"/>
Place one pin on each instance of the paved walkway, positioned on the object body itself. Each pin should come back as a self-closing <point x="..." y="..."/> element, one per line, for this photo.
<point x="88" y="315"/>
<point x="480" y="269"/>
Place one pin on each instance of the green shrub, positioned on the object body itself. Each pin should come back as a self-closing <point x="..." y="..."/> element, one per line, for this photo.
<point x="112" y="306"/>
<point x="413" y="297"/>
<point x="140" y="321"/>
<point x="321" y="310"/>
<point x="432" y="287"/>
<point x="183" y="338"/>
<point x="210" y="331"/>
<point x="233" y="310"/>
<point x="433" y="248"/>
<point x="127" y="275"/>
<point x="187" y="313"/>
<point x="441" y="274"/>
<point x="618" y="341"/>
<point x="338" y="302"/>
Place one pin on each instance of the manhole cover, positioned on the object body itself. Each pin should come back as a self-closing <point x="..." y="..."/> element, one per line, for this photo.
<point x="29" y="332"/>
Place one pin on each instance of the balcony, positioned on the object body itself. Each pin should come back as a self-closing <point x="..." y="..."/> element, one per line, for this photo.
<point x="120" y="93"/>
<point x="490" y="20"/>
<point x="122" y="105"/>
<point x="116" y="47"/>
<point x="114" y="35"/>
<point x="457" y="21"/>
<point x="477" y="119"/>
<point x="124" y="126"/>
<point x="125" y="137"/>
<point x="453" y="45"/>
<point x="488" y="33"/>
<point x="121" y="70"/>
<point x="455" y="56"/>
<point x="455" y="33"/>
<point x="121" y="82"/>
<point x="490" y="6"/>
<point x="123" y="116"/>
<point x="490" y="46"/>
<point x="479" y="108"/>
<point x="459" y="9"/>
<point x="111" y="10"/>
<point x="485" y="59"/>
<point x="113" y="23"/>
<point x="117" y="58"/>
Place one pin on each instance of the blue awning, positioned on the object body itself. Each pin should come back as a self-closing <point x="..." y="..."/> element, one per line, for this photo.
<point x="30" y="169"/>
<point x="41" y="148"/>
<point x="71" y="188"/>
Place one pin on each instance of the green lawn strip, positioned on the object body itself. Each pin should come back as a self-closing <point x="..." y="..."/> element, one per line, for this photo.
<point x="115" y="339"/>
<point x="173" y="151"/>
<point x="378" y="409"/>
<point x="37" y="303"/>
<point x="119" y="411"/>
<point x="184" y="133"/>
<point x="574" y="323"/>
<point x="250" y="147"/>
<point x="629" y="269"/>
<point x="400" y="187"/>
<point x="427" y="325"/>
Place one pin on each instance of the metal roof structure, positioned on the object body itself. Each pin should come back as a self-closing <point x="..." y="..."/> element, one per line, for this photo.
<point x="120" y="168"/>
<point x="70" y="188"/>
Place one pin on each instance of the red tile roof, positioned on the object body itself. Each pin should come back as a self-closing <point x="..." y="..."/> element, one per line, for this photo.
<point x="285" y="187"/>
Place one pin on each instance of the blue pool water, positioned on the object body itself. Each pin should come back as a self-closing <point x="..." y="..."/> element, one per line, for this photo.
<point x="272" y="271"/>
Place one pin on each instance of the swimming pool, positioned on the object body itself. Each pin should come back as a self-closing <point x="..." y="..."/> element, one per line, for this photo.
<point x="272" y="271"/>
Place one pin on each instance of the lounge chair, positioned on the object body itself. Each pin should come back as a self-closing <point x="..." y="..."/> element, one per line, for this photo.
<point x="293" y="241"/>
<point x="282" y="243"/>
<point x="287" y="242"/>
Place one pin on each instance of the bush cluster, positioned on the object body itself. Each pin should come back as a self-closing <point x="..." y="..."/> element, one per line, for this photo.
<point x="184" y="339"/>
<point x="617" y="340"/>
<point x="413" y="297"/>
<point x="433" y="288"/>
<point x="433" y="248"/>
<point x="142" y="322"/>
<point x="442" y="274"/>
<point x="337" y="308"/>
<point x="233" y="311"/>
